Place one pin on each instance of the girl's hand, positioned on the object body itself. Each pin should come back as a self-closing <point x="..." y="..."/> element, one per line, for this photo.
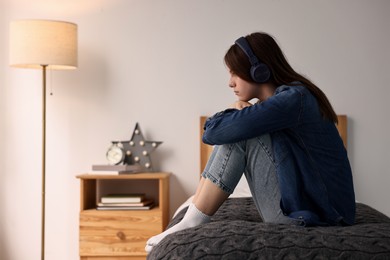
<point x="240" y="105"/>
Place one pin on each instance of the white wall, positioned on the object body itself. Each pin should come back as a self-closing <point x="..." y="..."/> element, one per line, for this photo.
<point x="2" y="126"/>
<point x="160" y="63"/>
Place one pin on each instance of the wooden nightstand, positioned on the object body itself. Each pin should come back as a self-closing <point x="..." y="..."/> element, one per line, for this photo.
<point x="121" y="234"/>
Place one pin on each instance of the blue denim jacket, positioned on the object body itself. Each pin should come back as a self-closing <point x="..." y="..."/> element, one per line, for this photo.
<point x="313" y="169"/>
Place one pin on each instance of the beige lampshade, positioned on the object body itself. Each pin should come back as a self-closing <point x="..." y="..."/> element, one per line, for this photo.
<point x="43" y="42"/>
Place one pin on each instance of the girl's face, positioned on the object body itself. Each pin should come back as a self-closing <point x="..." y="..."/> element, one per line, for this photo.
<point x="244" y="90"/>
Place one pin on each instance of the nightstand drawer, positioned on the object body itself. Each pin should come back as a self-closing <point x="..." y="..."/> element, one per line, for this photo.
<point x="117" y="233"/>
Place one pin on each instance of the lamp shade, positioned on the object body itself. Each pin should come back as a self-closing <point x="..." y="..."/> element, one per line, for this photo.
<point x="34" y="43"/>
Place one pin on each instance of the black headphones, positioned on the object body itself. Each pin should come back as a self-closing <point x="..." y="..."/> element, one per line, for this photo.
<point x="260" y="72"/>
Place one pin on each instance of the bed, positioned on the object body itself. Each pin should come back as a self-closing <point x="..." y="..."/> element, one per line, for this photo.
<point x="236" y="231"/>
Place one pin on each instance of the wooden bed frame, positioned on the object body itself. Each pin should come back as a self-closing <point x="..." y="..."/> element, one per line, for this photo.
<point x="205" y="150"/>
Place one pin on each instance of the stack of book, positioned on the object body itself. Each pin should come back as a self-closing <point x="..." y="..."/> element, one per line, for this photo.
<point x="125" y="202"/>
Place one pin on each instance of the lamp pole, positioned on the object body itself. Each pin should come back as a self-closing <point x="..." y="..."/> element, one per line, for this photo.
<point x="44" y="67"/>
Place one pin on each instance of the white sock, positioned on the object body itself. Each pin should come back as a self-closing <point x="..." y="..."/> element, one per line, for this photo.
<point x="192" y="218"/>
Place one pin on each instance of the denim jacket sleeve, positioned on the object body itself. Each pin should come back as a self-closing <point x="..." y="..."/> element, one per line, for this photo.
<point x="278" y="112"/>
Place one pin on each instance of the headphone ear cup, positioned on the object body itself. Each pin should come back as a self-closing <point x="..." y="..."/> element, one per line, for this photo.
<point x="260" y="73"/>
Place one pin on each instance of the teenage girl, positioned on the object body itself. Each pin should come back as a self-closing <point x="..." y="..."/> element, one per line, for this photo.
<point x="286" y="144"/>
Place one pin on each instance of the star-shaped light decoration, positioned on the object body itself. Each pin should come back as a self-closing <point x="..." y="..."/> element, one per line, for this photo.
<point x="137" y="149"/>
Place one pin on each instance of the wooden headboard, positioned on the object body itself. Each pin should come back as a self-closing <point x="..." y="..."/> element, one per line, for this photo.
<point x="205" y="150"/>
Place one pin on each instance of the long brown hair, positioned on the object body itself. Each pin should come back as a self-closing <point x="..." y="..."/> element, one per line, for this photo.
<point x="267" y="50"/>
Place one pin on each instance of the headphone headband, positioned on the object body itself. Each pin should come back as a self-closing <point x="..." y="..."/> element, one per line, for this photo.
<point x="244" y="45"/>
<point x="259" y="71"/>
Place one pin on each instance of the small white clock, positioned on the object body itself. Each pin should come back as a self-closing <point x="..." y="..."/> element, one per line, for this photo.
<point x="115" y="154"/>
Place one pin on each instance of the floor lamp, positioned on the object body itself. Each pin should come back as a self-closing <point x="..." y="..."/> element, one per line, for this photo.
<point x="43" y="44"/>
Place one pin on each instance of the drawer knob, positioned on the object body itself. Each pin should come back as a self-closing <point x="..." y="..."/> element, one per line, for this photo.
<point x="121" y="235"/>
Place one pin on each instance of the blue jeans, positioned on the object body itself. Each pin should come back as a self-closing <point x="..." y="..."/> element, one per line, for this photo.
<point x="254" y="158"/>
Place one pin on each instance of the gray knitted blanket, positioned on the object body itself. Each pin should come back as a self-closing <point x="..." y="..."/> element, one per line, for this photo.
<point x="237" y="232"/>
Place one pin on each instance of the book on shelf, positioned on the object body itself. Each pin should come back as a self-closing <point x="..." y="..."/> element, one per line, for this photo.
<point x="143" y="203"/>
<point x="123" y="198"/>
<point x="150" y="206"/>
